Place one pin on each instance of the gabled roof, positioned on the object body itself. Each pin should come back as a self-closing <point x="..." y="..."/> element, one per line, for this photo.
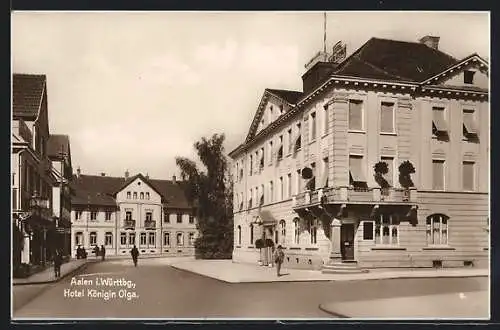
<point x="473" y="57"/>
<point x="102" y="189"/>
<point x="289" y="97"/>
<point x="135" y="177"/>
<point x="27" y="94"/>
<point x="58" y="145"/>
<point x="395" y="60"/>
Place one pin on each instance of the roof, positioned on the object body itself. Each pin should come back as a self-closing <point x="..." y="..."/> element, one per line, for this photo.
<point x="27" y="94"/>
<point x="395" y="60"/>
<point x="101" y="190"/>
<point x="290" y="96"/>
<point x="57" y="145"/>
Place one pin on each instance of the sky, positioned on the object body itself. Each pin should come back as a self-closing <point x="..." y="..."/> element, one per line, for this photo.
<point x="133" y="90"/>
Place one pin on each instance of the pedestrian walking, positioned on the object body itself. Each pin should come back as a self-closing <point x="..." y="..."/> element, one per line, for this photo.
<point x="57" y="263"/>
<point x="96" y="251"/>
<point x="279" y="256"/>
<point x="135" y="254"/>
<point x="103" y="252"/>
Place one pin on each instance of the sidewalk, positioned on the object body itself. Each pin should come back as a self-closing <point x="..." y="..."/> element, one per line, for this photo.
<point x="469" y="305"/>
<point x="47" y="275"/>
<point x="231" y="272"/>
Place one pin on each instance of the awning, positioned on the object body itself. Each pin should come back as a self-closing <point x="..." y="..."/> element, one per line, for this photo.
<point x="357" y="175"/>
<point x="470" y="125"/>
<point x="267" y="218"/>
<point x="324" y="179"/>
<point x="439" y="122"/>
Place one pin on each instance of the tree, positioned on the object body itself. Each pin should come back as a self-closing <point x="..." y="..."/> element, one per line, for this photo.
<point x="210" y="192"/>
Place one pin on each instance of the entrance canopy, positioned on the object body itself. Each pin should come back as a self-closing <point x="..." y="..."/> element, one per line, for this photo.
<point x="267" y="218"/>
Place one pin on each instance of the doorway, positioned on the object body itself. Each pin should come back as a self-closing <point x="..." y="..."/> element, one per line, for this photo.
<point x="347" y="241"/>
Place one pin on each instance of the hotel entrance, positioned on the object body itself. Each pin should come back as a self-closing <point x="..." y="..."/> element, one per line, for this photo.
<point x="347" y="241"/>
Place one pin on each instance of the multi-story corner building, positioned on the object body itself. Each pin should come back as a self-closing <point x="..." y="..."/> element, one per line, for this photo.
<point x="305" y="176"/>
<point x="31" y="170"/>
<point x="120" y="212"/>
<point x="59" y="152"/>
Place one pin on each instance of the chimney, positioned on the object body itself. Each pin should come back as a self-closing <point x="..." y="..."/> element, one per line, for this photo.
<point x="430" y="41"/>
<point x="173" y="179"/>
<point x="126" y="174"/>
<point x="103" y="174"/>
<point x="78" y="172"/>
<point x="147" y="176"/>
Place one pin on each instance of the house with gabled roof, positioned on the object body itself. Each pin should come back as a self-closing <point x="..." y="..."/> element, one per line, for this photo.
<point x="381" y="161"/>
<point x="120" y="212"/>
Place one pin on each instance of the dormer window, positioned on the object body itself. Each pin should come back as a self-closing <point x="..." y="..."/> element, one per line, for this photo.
<point x="469" y="77"/>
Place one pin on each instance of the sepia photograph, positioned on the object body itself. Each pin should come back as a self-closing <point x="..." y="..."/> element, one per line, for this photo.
<point x="257" y="165"/>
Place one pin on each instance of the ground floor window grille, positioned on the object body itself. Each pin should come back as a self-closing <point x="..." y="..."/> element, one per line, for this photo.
<point x="437" y="229"/>
<point x="387" y="229"/>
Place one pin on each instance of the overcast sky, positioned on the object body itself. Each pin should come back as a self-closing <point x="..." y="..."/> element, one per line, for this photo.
<point x="135" y="90"/>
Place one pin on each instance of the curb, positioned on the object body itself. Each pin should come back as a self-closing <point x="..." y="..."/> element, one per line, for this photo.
<point x="58" y="279"/>
<point x="341" y="316"/>
<point x="193" y="272"/>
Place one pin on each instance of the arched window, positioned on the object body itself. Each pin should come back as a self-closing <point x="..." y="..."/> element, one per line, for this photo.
<point x="142" y="195"/>
<point x="283" y="231"/>
<point x="128" y="194"/>
<point x="239" y="235"/>
<point x="79" y="238"/>
<point x="296" y="230"/>
<point x="251" y="234"/>
<point x="313" y="230"/>
<point x="147" y="195"/>
<point x="437" y="229"/>
<point x="135" y="195"/>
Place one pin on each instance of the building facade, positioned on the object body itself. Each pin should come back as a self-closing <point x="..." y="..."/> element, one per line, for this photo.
<point x="382" y="160"/>
<point x="120" y="212"/>
<point x="34" y="223"/>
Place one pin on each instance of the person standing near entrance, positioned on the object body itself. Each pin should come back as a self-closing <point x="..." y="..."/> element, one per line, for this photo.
<point x="279" y="257"/>
<point x="103" y="252"/>
<point x="57" y="264"/>
<point x="135" y="254"/>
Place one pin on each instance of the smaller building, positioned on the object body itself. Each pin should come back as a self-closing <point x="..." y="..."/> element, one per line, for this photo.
<point x="120" y="212"/>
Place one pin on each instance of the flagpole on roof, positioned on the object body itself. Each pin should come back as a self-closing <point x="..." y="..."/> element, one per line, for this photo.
<point x="324" y="32"/>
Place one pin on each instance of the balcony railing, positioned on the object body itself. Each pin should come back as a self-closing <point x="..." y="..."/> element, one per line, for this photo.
<point x="150" y="224"/>
<point x="127" y="223"/>
<point x="344" y="194"/>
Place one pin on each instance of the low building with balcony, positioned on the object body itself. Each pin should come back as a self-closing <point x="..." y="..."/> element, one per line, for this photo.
<point x="120" y="212"/>
<point x="381" y="161"/>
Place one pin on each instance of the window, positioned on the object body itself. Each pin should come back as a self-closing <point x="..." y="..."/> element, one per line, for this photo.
<point x="271" y="192"/>
<point x="326" y="119"/>
<point x="79" y="238"/>
<point x="280" y="189"/>
<point x="152" y="239"/>
<point x="368" y="230"/>
<point x="108" y="239"/>
<point x="250" y="198"/>
<point x="324" y="176"/>
<point x="251" y="234"/>
<point x="14" y="198"/>
<point x="166" y="218"/>
<point x="281" y="110"/>
<point x="93" y="238"/>
<point x="143" y="239"/>
<point x="438" y="175"/>
<point x="313" y="230"/>
<point x="179" y="218"/>
<point x="271" y="115"/>
<point x="297" y="184"/>
<point x="389" y="177"/>
<point x="386" y="230"/>
<point x="387" y="117"/>
<point x="356" y="172"/>
<point x="261" y="164"/>
<point x="356" y="115"/>
<point x="280" y="149"/>
<point x="149" y="216"/>
<point x="147" y="195"/>
<point x="298" y="138"/>
<point x="261" y="195"/>
<point x="289" y="141"/>
<point x="241" y="201"/>
<point x="238" y="234"/>
<point x="191" y="239"/>
<point x="313" y="125"/>
<point x="296" y="230"/>
<point x="251" y="165"/>
<point x="439" y="126"/>
<point x="141" y="195"/>
<point x="131" y="239"/>
<point x="270" y="153"/>
<point x="128" y="195"/>
<point x="78" y="215"/>
<point x="468" y="77"/>
<point x="289" y="185"/>
<point x="108" y="215"/>
<point x="93" y="215"/>
<point x="128" y="215"/>
<point x="437" y="229"/>
<point x="135" y="195"/>
<point x="180" y="239"/>
<point x="283" y="231"/>
<point x="468" y="182"/>
<point x="469" y="126"/>
<point x="166" y="239"/>
<point x="123" y="238"/>
<point x="191" y="219"/>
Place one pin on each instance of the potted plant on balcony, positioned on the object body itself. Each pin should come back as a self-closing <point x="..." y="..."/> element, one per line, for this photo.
<point x="381" y="169"/>
<point x="406" y="169"/>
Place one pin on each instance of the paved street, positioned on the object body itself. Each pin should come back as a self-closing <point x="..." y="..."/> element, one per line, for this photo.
<point x="165" y="292"/>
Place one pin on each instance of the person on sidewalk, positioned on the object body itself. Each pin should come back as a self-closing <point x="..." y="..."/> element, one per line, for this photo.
<point x="57" y="263"/>
<point x="103" y="252"/>
<point x="279" y="257"/>
<point x="96" y="251"/>
<point x="135" y="254"/>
